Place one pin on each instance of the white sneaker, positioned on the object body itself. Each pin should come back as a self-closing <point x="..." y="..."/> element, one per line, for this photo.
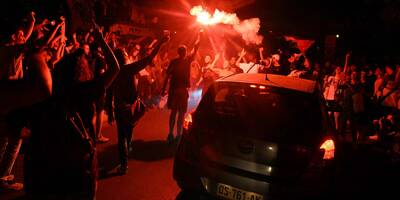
<point x="10" y="185"/>
<point x="103" y="139"/>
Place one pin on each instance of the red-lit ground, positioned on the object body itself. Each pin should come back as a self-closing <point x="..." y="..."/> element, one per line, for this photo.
<point x="150" y="167"/>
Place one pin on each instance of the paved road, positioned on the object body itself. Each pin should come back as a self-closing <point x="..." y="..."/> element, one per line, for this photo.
<point x="150" y="167"/>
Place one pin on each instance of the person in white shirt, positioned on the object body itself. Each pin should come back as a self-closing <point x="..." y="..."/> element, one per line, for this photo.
<point x="331" y="94"/>
<point x="251" y="66"/>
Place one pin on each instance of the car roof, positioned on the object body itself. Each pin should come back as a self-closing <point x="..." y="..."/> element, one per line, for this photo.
<point x="291" y="83"/>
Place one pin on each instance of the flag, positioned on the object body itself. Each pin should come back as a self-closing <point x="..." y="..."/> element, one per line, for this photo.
<point x="302" y="44"/>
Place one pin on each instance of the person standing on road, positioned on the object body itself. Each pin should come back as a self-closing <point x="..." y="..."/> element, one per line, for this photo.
<point x="125" y="95"/>
<point x="11" y="68"/>
<point x="178" y="75"/>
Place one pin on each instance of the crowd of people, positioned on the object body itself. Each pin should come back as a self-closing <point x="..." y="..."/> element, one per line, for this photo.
<point x="362" y="99"/>
<point x="59" y="88"/>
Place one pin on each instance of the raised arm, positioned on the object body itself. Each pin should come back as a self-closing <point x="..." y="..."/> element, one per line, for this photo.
<point x="62" y="18"/>
<point x="41" y="25"/>
<point x="346" y="63"/>
<point x="113" y="66"/>
<point x="29" y="31"/>
<point x="136" y="67"/>
<point x="75" y="41"/>
<point x="55" y="40"/>
<point x="57" y="57"/>
<point x="261" y="51"/>
<point x="152" y="43"/>
<point x="86" y="39"/>
<point x="215" y="61"/>
<point x="53" y="34"/>
<point x="75" y="44"/>
<point x="241" y="55"/>
<point x="196" y="45"/>
<point x="21" y="93"/>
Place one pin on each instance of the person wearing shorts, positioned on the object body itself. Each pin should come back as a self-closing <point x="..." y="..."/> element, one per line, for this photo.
<point x="178" y="76"/>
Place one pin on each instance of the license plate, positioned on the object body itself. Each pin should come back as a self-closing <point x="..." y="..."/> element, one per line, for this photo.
<point x="229" y="192"/>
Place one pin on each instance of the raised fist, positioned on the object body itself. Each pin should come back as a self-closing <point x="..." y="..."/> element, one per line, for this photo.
<point x="32" y="16"/>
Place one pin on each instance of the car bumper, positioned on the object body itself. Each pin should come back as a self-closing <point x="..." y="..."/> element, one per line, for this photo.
<point x="206" y="178"/>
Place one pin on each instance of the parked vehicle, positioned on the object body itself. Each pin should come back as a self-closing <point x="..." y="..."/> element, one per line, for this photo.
<point x="257" y="136"/>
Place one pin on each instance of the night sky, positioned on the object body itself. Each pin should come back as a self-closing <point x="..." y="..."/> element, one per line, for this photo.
<point x="366" y="27"/>
<point x="369" y="27"/>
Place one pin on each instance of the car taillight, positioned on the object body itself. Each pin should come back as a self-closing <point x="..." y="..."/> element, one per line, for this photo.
<point x="329" y="149"/>
<point x="187" y="144"/>
<point x="187" y="123"/>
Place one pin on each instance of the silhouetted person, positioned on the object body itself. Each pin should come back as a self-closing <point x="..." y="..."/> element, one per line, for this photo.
<point x="125" y="95"/>
<point x="60" y="161"/>
<point x="178" y="75"/>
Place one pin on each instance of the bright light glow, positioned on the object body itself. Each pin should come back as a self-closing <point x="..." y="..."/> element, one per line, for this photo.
<point x="269" y="170"/>
<point x="218" y="17"/>
<point x="270" y="148"/>
<point x="194" y="99"/>
<point x="188" y="122"/>
<point x="373" y="137"/>
<point x="329" y="147"/>
<point x="262" y="87"/>
<point x="247" y="28"/>
<point x="253" y="86"/>
<point x="337" y="35"/>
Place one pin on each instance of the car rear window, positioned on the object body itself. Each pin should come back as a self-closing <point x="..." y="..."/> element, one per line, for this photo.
<point x="262" y="112"/>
